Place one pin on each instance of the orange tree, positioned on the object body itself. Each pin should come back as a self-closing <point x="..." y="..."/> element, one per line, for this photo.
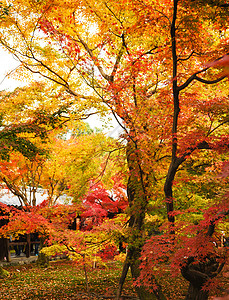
<point x="53" y="223"/>
<point x="27" y="120"/>
<point x="72" y="160"/>
<point x="76" y="164"/>
<point x="160" y="68"/>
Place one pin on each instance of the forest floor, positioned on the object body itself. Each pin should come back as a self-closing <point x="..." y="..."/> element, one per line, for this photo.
<point x="65" y="280"/>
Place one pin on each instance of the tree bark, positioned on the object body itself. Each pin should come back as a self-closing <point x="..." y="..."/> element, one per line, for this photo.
<point x="138" y="200"/>
<point x="198" y="274"/>
<point x="196" y="293"/>
<point x="142" y="292"/>
<point x="122" y="279"/>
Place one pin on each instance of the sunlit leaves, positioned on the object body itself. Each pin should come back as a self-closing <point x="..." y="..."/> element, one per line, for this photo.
<point x="26" y="115"/>
<point x="147" y="62"/>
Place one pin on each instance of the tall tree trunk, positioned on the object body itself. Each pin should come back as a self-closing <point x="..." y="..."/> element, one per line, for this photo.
<point x="142" y="292"/>
<point x="137" y="197"/>
<point x="122" y="279"/>
<point x="133" y="261"/>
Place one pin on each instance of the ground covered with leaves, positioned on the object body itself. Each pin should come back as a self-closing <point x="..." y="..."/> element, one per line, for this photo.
<point x="65" y="280"/>
<point x="62" y="280"/>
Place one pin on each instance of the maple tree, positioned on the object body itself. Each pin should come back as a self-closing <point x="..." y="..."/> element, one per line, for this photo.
<point x="91" y="158"/>
<point x="21" y="177"/>
<point x="25" y="127"/>
<point x="53" y="223"/>
<point x="100" y="204"/>
<point x="67" y="167"/>
<point x="26" y="120"/>
<point x="76" y="164"/>
<point x="158" y="67"/>
<point x="30" y="118"/>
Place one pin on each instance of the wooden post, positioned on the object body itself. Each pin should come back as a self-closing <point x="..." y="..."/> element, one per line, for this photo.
<point x="2" y="248"/>
<point x="28" y="246"/>
<point x="8" y="256"/>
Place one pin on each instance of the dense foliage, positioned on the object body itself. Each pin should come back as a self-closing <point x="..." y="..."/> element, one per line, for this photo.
<point x="162" y="70"/>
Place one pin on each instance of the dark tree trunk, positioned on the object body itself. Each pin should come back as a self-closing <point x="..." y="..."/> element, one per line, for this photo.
<point x="198" y="274"/>
<point x="138" y="200"/>
<point x="4" y="249"/>
<point x="195" y="292"/>
<point x="142" y="292"/>
<point x="28" y="245"/>
<point x="122" y="279"/>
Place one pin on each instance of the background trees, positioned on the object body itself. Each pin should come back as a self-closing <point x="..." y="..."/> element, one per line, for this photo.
<point x="69" y="165"/>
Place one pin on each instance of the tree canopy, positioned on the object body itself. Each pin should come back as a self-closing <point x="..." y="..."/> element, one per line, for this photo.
<point x="162" y="69"/>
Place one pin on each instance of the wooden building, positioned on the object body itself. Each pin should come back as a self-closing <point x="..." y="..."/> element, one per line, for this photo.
<point x="24" y="244"/>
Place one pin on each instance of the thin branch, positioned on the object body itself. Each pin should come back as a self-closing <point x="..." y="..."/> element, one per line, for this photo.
<point x="90" y="52"/>
<point x="187" y="58"/>
<point x="118" y="59"/>
<point x="195" y="77"/>
<point x="114" y="15"/>
<point x="209" y="81"/>
<point x="212" y="130"/>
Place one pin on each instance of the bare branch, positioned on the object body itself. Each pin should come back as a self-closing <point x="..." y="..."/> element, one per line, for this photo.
<point x="195" y="77"/>
<point x="90" y="52"/>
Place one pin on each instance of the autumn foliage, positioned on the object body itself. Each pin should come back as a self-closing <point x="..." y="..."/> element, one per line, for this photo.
<point x="161" y="68"/>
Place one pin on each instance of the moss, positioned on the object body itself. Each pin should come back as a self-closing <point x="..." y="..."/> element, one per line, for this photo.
<point x="43" y="260"/>
<point x="3" y="273"/>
